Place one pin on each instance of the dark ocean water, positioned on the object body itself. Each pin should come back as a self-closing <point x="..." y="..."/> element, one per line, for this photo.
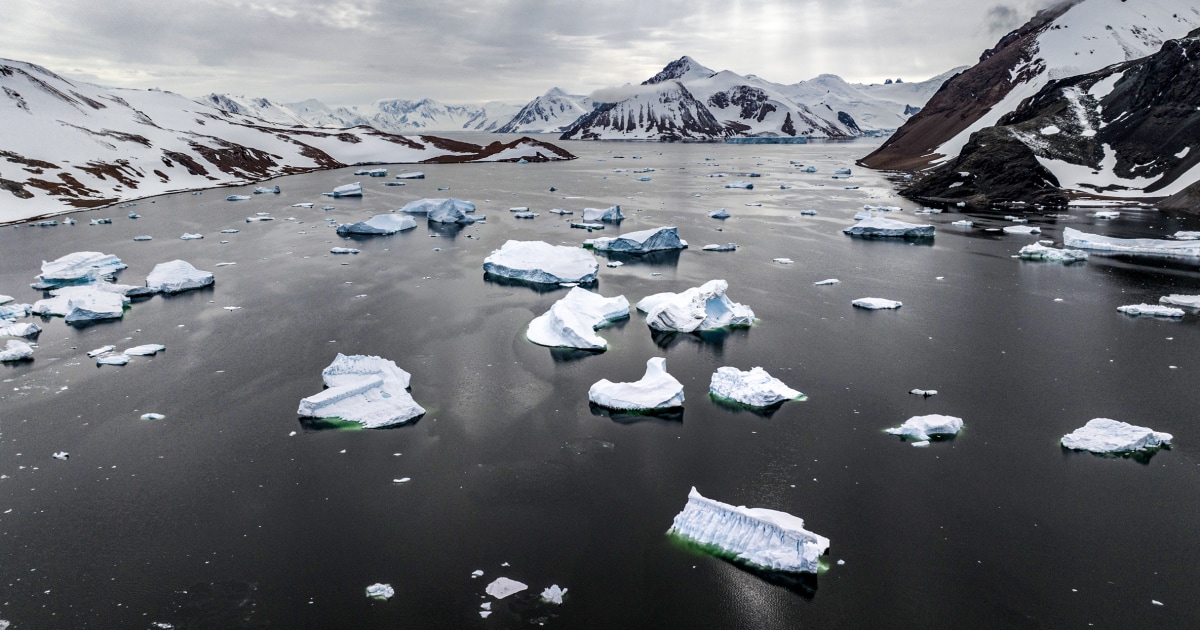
<point x="217" y="517"/>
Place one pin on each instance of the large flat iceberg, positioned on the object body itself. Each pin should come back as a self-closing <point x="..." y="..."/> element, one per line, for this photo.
<point x="541" y="262"/>
<point x="753" y="388"/>
<point x="641" y="242"/>
<point x="656" y="390"/>
<point x="761" y="537"/>
<point x="177" y="276"/>
<point x="882" y="227"/>
<point x="1138" y="246"/>
<point x="369" y="390"/>
<point x="705" y="307"/>
<point x="443" y="210"/>
<point x="571" y="321"/>
<point x="922" y="427"/>
<point x="379" y="224"/>
<point x="79" y="267"/>
<point x="1104" y="435"/>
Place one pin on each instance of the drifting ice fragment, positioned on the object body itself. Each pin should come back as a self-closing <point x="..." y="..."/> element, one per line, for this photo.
<point x="145" y="350"/>
<point x="19" y="329"/>
<point x="343" y="250"/>
<point x="1151" y="310"/>
<point x="15" y="351"/>
<point x="443" y="210"/>
<point x="413" y="175"/>
<point x="382" y="592"/>
<point x="61" y="455"/>
<point x="963" y="223"/>
<point x="1190" y="301"/>
<point x="540" y="262"/>
<point x="753" y="388"/>
<point x="719" y="214"/>
<point x="924" y="392"/>
<point x="238" y="198"/>
<point x="306" y="204"/>
<point x="641" y="242"/>
<point x="143" y="237"/>
<point x="477" y="573"/>
<point x="740" y="184"/>
<point x="14" y="311"/>
<point x="1187" y="236"/>
<point x="1038" y="251"/>
<point x="113" y="359"/>
<point x="152" y="416"/>
<point x="783" y="261"/>
<point x="570" y="322"/>
<point x="1104" y="435"/>
<point x="1106" y="214"/>
<point x="758" y="536"/>
<point x="612" y="214"/>
<point x="876" y="303"/>
<point x="347" y="190"/>
<point x="79" y="267"/>
<point x="1022" y="229"/>
<point x="177" y="276"/>
<point x="553" y="595"/>
<point x="366" y="389"/>
<point x="825" y="283"/>
<point x="1146" y="246"/>
<point x="503" y="587"/>
<point x="882" y="227"/>
<point x="191" y="237"/>
<point x="266" y="191"/>
<point x="101" y="350"/>
<point x="705" y="307"/>
<point x="379" y="224"/>
<point x="921" y="427"/>
<point x="727" y="247"/>
<point x="655" y="391"/>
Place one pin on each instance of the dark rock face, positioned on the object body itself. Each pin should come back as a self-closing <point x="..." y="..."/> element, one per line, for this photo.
<point x="998" y="167"/>
<point x="848" y="120"/>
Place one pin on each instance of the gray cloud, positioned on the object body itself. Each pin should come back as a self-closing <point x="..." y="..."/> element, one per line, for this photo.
<point x="1003" y="18"/>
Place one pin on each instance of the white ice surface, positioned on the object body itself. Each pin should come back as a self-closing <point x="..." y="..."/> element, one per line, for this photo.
<point x="873" y="304"/>
<point x="1144" y="246"/>
<point x="655" y="390"/>
<point x="543" y="263"/>
<point x="442" y="210"/>
<point x="1022" y="229"/>
<point x="1151" y="310"/>
<point x="922" y="427"/>
<point x="148" y="349"/>
<point x="15" y="351"/>
<point x="882" y="226"/>
<point x="380" y="591"/>
<point x="553" y="594"/>
<point x="177" y="276"/>
<point x="705" y="307"/>
<point x="754" y="388"/>
<point x="1105" y="435"/>
<point x="571" y="321"/>
<point x="18" y="329"/>
<point x="1037" y="251"/>
<point x="369" y="390"/>
<point x="642" y="241"/>
<point x="346" y="190"/>
<point x="503" y="587"/>
<point x="80" y="267"/>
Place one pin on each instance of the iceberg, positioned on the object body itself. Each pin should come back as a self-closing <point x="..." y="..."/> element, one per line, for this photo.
<point x="1190" y="301"/>
<point x="641" y="242"/>
<point x="613" y="214"/>
<point x="881" y="227"/>
<point x="1105" y="435"/>
<point x="143" y="237"/>
<point x="1037" y="251"/>
<point x="105" y="221"/>
<point x="5" y="299"/>
<point x="1106" y="214"/>
<point x="177" y="276"/>
<point x="369" y="390"/>
<point x="1136" y="246"/>
<point x="876" y="303"/>
<point x="19" y="329"/>
<point x="346" y="190"/>
<point x="259" y="218"/>
<point x="719" y="214"/>
<point x="740" y="184"/>
<point x="571" y="321"/>
<point x="715" y="247"/>
<point x="266" y="191"/>
<point x="540" y="262"/>
<point x="754" y="388"/>
<point x="761" y="537"/>
<point x="443" y="210"/>
<point x="554" y="594"/>
<point x="705" y="307"/>
<point x="79" y="267"/>
<point x="382" y="592"/>
<point x="145" y="350"/>
<point x="656" y="390"/>
<point x="923" y="392"/>
<point x="503" y="587"/>
<point x="14" y="350"/>
<point x="1151" y="310"/>
<point x="922" y="427"/>
<point x="412" y="175"/>
<point x="841" y="171"/>
<point x="379" y="224"/>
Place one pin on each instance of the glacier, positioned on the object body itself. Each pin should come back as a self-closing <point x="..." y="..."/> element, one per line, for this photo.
<point x="542" y="263"/>
<point x="922" y="427"/>
<point x="177" y="276"/>
<point x="656" y="390"/>
<point x="612" y="214"/>
<point x="1105" y="435"/>
<point x="571" y="321"/>
<point x="753" y="388"/>
<point x="379" y="224"/>
<point x="882" y="227"/>
<point x="443" y="210"/>
<point x="1136" y="246"/>
<point x="761" y="537"/>
<point x="79" y="267"/>
<point x="705" y="307"/>
<point x="369" y="390"/>
<point x="641" y="242"/>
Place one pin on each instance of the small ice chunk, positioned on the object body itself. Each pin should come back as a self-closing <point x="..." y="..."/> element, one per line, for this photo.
<point x="369" y="390"/>
<point x="825" y="283"/>
<point x="1022" y="229"/>
<point x="477" y="573"/>
<point x="525" y="215"/>
<point x="876" y="303"/>
<point x="655" y="390"/>
<point x="924" y="392"/>
<point x="922" y="427"/>
<point x="305" y="204"/>
<point x="485" y="613"/>
<point x="259" y="218"/>
<point x="808" y="213"/>
<point x="1105" y="435"/>
<point x="783" y="261"/>
<point x="143" y="237"/>
<point x="177" y="276"/>
<point x="346" y="190"/>
<point x="613" y="263"/>
<point x="1187" y="236"/>
<point x="700" y="308"/>
<point x="14" y="350"/>
<point x="1049" y="130"/>
<point x="412" y="175"/>
<point x="61" y="455"/>
<point x="402" y="480"/>
<point x="101" y="350"/>
<point x="1037" y="251"/>
<point x="542" y="263"/>
<point x="882" y="227"/>
<point x="230" y="231"/>
<point x="963" y="223"/>
<point x="238" y="198"/>
<point x="753" y="388"/>
<point x="612" y="214"/>
<point x="1151" y="310"/>
<point x="1106" y="214"/>
<point x="738" y="183"/>
<point x="443" y="210"/>
<point x="113" y="359"/>
<point x="13" y="311"/>
<point x="503" y="587"/>
<point x="570" y="322"/>
<point x="553" y="594"/>
<point x="641" y="242"/>
<point x="152" y="416"/>
<point x="19" y="329"/>
<point x="343" y="250"/>
<point x="190" y="237"/>
<point x="79" y="267"/>
<point x="719" y="214"/>
<point x="382" y="592"/>
<point x="379" y="224"/>
<point x="149" y="349"/>
<point x="727" y="247"/>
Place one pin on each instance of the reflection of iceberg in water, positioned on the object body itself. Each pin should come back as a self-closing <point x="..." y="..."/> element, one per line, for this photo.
<point x="669" y="416"/>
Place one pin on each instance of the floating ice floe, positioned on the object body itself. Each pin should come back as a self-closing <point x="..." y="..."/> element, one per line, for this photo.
<point x="571" y="321"/>
<point x="101" y="350"/>
<point x="346" y="190"/>
<point x="923" y="392"/>
<point x="261" y="217"/>
<point x="808" y="213"/>
<point x="369" y="390"/>
<point x="883" y="227"/>
<point x="145" y="350"/>
<point x="963" y="223"/>
<point x="1143" y="246"/>
<point x="113" y="359"/>
<point x="503" y="587"/>
<point x="15" y="311"/>
<point x="613" y="214"/>
<point x="876" y="303"/>
<point x="641" y="242"/>
<point x="553" y="594"/>
<point x="14" y="350"/>
<point x="525" y="215"/>
<point x="343" y="250"/>
<point x="922" y="427"/>
<point x="412" y="175"/>
<point x="1176" y="299"/>
<point x="1106" y="214"/>
<point x="740" y="184"/>
<point x="656" y="390"/>
<point x="382" y="592"/>
<point x="62" y="455"/>
<point x="519" y="209"/>
<point x="726" y="247"/>
<point x="177" y="276"/>
<point x="5" y="299"/>
<point x="719" y="214"/>
<point x="85" y="302"/>
<point x="262" y="190"/>
<point x="560" y="211"/>
<point x="825" y="283"/>
<point x="1105" y="435"/>
<point x="753" y="388"/>
<point x="379" y="224"/>
<point x="238" y="198"/>
<point x="19" y="329"/>
<point x="1022" y="229"/>
<point x="191" y="237"/>
<point x="143" y="237"/>
<point x="443" y="210"/>
<point x="372" y="172"/>
<point x="152" y="416"/>
<point x="79" y="267"/>
<point x="1151" y="310"/>
<point x="1187" y="236"/>
<point x="105" y="221"/>
<point x="305" y="204"/>
<point x="705" y="307"/>
<point x="540" y="262"/>
<point x="758" y="536"/>
<point x="842" y="171"/>
<point x="783" y="261"/>
<point x="1037" y="251"/>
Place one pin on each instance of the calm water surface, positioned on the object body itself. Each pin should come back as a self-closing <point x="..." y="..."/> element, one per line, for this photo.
<point x="219" y="517"/>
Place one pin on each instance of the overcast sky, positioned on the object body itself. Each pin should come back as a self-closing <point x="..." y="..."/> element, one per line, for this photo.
<point x="460" y="51"/>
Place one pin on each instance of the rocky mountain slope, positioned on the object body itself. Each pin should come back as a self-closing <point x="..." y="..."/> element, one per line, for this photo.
<point x="553" y="112"/>
<point x="67" y="145"/>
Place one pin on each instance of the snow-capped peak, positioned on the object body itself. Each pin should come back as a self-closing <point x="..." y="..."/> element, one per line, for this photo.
<point x="683" y="69"/>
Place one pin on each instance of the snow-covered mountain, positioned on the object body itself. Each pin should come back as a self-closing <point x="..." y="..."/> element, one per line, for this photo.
<point x="390" y="115"/>
<point x="553" y="112"/>
<point x="68" y="145"/>
<point x="1073" y="38"/>
<point x="876" y="109"/>
<point x="258" y="108"/>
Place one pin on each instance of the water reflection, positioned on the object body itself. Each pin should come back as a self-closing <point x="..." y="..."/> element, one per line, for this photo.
<point x="733" y="407"/>
<point x="1142" y="457"/>
<point x="313" y="425"/>
<point x="667" y="258"/>
<point x="569" y="355"/>
<point x="537" y="287"/>
<point x="713" y="338"/>
<point x="665" y="416"/>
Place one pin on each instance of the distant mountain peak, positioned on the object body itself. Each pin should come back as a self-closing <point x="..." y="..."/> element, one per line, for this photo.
<point x="684" y="68"/>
